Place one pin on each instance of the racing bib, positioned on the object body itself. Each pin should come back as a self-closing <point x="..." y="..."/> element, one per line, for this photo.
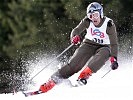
<point x="98" y="34"/>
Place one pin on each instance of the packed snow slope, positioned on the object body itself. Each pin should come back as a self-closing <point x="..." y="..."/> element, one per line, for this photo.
<point x="116" y="85"/>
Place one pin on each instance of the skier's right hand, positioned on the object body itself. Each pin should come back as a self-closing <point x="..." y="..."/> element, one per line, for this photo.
<point x="75" y="40"/>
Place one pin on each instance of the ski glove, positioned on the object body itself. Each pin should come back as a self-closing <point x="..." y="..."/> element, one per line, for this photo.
<point x="114" y="63"/>
<point x="75" y="40"/>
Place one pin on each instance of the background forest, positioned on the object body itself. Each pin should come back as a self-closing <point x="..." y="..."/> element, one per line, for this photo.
<point x="29" y="27"/>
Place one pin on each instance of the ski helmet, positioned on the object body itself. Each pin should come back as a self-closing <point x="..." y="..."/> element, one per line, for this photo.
<point x="95" y="7"/>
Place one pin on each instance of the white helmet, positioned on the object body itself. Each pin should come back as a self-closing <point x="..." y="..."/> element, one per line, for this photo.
<point x="95" y="7"/>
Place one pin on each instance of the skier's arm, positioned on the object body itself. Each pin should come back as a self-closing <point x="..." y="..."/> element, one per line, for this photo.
<point x="80" y="27"/>
<point x="113" y="44"/>
<point x="111" y="30"/>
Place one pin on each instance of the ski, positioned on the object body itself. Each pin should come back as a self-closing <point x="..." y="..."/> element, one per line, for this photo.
<point x="79" y="82"/>
<point x="31" y="93"/>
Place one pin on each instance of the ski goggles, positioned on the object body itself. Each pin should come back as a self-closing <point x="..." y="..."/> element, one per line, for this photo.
<point x="94" y="15"/>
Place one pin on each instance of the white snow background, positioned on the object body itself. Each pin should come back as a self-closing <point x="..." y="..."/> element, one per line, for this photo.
<point x="116" y="85"/>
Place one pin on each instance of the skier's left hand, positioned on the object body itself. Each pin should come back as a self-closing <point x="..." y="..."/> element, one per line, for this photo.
<point x="114" y="63"/>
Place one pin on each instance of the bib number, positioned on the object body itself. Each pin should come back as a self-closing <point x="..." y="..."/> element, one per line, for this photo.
<point x="100" y="41"/>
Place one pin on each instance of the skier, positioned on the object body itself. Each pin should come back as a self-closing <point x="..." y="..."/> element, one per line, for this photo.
<point x="100" y="43"/>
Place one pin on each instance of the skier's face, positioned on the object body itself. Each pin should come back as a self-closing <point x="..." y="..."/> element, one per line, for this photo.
<point x="94" y="17"/>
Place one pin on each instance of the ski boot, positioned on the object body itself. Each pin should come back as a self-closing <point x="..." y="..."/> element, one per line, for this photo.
<point x="47" y="86"/>
<point x="43" y="88"/>
<point x="84" y="75"/>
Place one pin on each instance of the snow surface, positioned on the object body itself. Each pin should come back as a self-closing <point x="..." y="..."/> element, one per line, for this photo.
<point x="116" y="85"/>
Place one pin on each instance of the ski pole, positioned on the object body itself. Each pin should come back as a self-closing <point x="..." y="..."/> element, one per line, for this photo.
<point x="106" y="73"/>
<point x="51" y="61"/>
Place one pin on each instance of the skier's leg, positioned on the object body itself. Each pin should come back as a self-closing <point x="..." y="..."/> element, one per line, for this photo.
<point x="76" y="63"/>
<point x="99" y="59"/>
<point x="95" y="64"/>
<point x="78" y="60"/>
